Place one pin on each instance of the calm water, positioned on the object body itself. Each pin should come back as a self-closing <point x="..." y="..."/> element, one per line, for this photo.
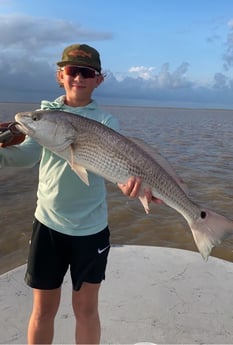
<point x="199" y="145"/>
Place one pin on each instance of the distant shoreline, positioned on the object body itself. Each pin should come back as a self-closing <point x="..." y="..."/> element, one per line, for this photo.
<point x="135" y="106"/>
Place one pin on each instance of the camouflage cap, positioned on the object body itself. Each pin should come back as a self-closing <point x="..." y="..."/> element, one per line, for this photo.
<point x="81" y="55"/>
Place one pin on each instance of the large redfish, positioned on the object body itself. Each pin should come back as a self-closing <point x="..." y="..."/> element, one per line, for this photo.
<point x="88" y="145"/>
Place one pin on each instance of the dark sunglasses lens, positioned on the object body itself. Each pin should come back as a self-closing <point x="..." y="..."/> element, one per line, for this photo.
<point x="73" y="71"/>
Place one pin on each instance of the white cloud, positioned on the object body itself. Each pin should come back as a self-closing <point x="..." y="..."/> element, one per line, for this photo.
<point x="142" y="71"/>
<point x="228" y="53"/>
<point x="230" y="23"/>
<point x="27" y="68"/>
<point x="26" y="32"/>
<point x="220" y="80"/>
<point x="164" y="78"/>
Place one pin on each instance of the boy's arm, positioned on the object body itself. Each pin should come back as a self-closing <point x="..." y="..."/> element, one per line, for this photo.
<point x="26" y="155"/>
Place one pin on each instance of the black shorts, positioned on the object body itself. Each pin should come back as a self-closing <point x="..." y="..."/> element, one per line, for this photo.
<point x="51" y="253"/>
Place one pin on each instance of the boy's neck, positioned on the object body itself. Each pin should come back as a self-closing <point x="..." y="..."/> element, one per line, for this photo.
<point x="76" y="102"/>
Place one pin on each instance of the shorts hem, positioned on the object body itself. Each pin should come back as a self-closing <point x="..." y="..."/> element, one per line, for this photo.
<point x="40" y="286"/>
<point x="77" y="286"/>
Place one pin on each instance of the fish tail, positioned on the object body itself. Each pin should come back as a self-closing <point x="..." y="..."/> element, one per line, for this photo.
<point x="209" y="230"/>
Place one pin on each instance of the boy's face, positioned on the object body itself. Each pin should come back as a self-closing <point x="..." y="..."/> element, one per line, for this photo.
<point x="79" y="82"/>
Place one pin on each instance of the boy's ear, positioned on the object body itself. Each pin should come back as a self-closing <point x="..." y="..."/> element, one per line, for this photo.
<point x="60" y="75"/>
<point x="99" y="79"/>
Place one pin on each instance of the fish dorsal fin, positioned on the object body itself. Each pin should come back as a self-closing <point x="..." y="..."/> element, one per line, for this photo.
<point x="78" y="169"/>
<point x="163" y="162"/>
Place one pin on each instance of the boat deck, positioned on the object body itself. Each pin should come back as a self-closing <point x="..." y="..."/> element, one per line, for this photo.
<point x="151" y="294"/>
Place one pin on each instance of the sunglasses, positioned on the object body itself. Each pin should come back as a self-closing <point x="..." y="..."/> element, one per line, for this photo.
<point x="86" y="72"/>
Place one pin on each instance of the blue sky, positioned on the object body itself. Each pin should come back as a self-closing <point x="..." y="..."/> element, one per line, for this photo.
<point x="155" y="53"/>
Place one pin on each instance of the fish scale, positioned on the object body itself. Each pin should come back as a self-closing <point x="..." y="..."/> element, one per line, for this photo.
<point x="88" y="145"/>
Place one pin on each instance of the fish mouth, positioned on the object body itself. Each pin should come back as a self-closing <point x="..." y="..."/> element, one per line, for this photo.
<point x="20" y="127"/>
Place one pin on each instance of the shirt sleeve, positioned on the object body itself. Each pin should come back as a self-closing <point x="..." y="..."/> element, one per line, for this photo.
<point x="25" y="155"/>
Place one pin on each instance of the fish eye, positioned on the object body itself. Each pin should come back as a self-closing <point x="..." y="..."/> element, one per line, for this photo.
<point x="35" y="117"/>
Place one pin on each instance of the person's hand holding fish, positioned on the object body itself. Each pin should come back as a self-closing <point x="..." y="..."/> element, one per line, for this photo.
<point x="9" y="135"/>
<point x="133" y="188"/>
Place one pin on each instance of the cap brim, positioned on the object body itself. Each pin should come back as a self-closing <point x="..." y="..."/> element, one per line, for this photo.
<point x="65" y="63"/>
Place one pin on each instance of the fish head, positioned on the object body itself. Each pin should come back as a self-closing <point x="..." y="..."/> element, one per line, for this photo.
<point x="49" y="128"/>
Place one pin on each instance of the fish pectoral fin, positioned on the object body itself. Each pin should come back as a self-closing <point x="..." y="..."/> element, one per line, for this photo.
<point x="78" y="169"/>
<point x="81" y="172"/>
<point x="144" y="201"/>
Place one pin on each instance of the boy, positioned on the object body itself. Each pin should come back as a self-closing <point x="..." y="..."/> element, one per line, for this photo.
<point x="70" y="225"/>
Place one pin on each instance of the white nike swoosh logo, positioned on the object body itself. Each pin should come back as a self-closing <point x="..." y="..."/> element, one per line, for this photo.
<point x="103" y="250"/>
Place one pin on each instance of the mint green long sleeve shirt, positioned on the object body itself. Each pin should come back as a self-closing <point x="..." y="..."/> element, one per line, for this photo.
<point x="64" y="202"/>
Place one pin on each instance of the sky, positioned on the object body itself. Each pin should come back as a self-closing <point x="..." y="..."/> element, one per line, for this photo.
<point x="169" y="53"/>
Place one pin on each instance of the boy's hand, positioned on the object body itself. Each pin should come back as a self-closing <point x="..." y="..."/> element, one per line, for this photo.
<point x="9" y="135"/>
<point x="132" y="189"/>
